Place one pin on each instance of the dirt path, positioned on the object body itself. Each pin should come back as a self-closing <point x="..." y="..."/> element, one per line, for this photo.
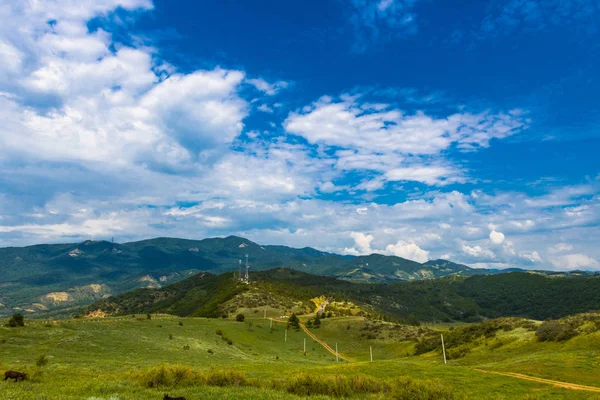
<point x="316" y="339"/>
<point x="563" y="385"/>
<point x="322" y="343"/>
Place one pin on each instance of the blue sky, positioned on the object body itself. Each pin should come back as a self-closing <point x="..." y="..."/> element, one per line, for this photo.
<point x="420" y="128"/>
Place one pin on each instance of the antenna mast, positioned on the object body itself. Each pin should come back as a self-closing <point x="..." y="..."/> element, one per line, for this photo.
<point x="247" y="277"/>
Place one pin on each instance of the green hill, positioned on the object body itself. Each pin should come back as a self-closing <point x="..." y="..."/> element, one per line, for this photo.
<point x="468" y="299"/>
<point x="49" y="278"/>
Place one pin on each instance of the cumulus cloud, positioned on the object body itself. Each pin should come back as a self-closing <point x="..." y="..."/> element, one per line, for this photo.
<point x="408" y="250"/>
<point x="400" y="146"/>
<point x="575" y="261"/>
<point x="478" y="252"/>
<point x="496" y="237"/>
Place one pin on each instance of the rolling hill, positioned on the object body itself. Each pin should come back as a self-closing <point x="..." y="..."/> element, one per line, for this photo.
<point x="49" y="277"/>
<point x="468" y="299"/>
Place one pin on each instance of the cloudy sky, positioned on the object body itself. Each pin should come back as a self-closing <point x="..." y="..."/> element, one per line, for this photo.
<point x="421" y="128"/>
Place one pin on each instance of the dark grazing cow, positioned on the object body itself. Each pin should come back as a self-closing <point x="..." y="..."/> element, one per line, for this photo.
<point x="172" y="398"/>
<point x="15" y="375"/>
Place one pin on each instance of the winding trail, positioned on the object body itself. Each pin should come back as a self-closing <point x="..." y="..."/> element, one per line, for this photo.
<point x="316" y="339"/>
<point x="559" y="384"/>
<point x="322" y="343"/>
<point x="563" y="385"/>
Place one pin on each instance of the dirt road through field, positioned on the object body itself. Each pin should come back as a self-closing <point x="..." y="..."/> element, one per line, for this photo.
<point x="322" y="343"/>
<point x="563" y="385"/>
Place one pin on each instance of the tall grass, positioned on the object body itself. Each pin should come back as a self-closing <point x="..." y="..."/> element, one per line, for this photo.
<point x="169" y="376"/>
<point x="166" y="376"/>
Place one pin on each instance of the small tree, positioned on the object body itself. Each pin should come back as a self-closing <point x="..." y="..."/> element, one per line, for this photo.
<point x="293" y="321"/>
<point x="148" y="316"/>
<point x="309" y="323"/>
<point x="317" y="323"/>
<point x="240" y="318"/>
<point x="16" y="320"/>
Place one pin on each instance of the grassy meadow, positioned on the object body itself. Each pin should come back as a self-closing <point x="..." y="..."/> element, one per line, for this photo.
<point x="140" y="359"/>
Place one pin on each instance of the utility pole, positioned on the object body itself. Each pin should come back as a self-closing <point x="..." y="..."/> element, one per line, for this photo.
<point x="371" y="351"/>
<point x="443" y="349"/>
<point x="304" y="345"/>
<point x="265" y="315"/>
<point x="286" y="334"/>
<point x="271" y="327"/>
<point x="336" y="353"/>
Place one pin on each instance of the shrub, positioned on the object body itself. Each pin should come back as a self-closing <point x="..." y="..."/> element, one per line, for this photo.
<point x="457" y="352"/>
<point x="226" y="378"/>
<point x="168" y="376"/>
<point x="406" y="388"/>
<point x="554" y="331"/>
<point x="148" y="316"/>
<point x="180" y="323"/>
<point x="41" y="361"/>
<point x="226" y="339"/>
<point x="293" y="321"/>
<point x="219" y="331"/>
<point x="16" y="320"/>
<point x="240" y="318"/>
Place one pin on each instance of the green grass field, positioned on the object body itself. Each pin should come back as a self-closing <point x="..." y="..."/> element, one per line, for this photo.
<point x="111" y="358"/>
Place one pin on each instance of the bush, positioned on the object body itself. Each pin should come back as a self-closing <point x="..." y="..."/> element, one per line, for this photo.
<point x="148" y="316"/>
<point x="168" y="376"/>
<point x="406" y="388"/>
<point x="219" y="331"/>
<point x="293" y="321"/>
<point x="16" y="320"/>
<point x="457" y="352"/>
<point x="226" y="378"/>
<point x="41" y="361"/>
<point x="554" y="331"/>
<point x="240" y="318"/>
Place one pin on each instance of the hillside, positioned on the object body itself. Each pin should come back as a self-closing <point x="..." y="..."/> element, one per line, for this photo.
<point x="45" y="277"/>
<point x="468" y="299"/>
<point x="48" y="278"/>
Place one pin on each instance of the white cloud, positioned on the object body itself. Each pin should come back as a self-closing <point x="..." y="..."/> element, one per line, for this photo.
<point x="478" y="252"/>
<point x="534" y="257"/>
<point x="362" y="242"/>
<point x="265" y="108"/>
<point x="560" y="248"/>
<point x="400" y="146"/>
<point x="496" y="237"/>
<point x="269" y="89"/>
<point x="575" y="261"/>
<point x="523" y="225"/>
<point x="406" y="250"/>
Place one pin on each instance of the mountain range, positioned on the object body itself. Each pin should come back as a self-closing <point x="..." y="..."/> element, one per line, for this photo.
<point x="49" y="277"/>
